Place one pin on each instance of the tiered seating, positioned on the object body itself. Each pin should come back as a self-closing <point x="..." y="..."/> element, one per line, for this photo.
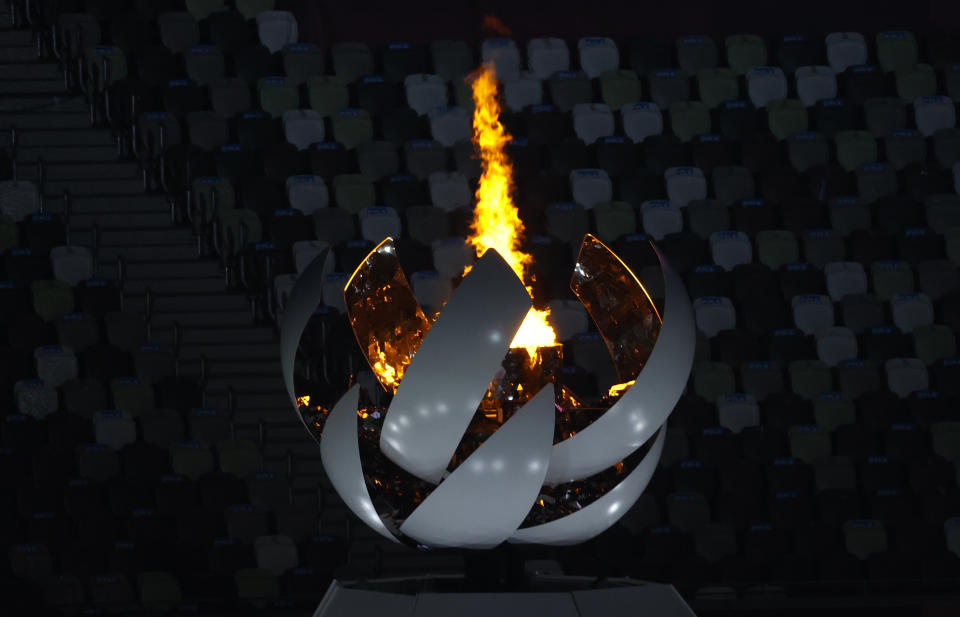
<point x="805" y="188"/>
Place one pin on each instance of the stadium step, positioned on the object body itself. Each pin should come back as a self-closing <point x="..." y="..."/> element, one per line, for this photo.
<point x="58" y="137"/>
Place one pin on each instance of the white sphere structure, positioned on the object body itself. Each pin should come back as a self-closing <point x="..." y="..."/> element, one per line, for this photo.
<point x="486" y="499"/>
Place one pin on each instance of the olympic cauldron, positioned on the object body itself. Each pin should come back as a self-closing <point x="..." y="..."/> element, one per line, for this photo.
<point x="478" y="443"/>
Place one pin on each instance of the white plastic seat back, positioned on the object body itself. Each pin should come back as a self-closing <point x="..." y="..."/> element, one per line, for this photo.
<point x="72" y="264"/>
<point x="738" y="411"/>
<point x="35" y="398"/>
<point x="18" y="199"/>
<point x="56" y="364"/>
<point x="730" y="249"/>
<point x="451" y="256"/>
<point x="449" y="125"/>
<point x="641" y="120"/>
<point x="685" y="184"/>
<point x="906" y="375"/>
<point x="844" y="278"/>
<point x="846" y="49"/>
<point x="379" y="222"/>
<point x="303" y="127"/>
<point x="815" y="83"/>
<point x="660" y="217"/>
<point x="305" y="251"/>
<point x="425" y="92"/>
<point x="590" y="187"/>
<point x="431" y="290"/>
<point x="714" y="314"/>
<point x="114" y="428"/>
<point x="546" y="56"/>
<point x="934" y="113"/>
<point x="765" y="84"/>
<point x="569" y="318"/>
<point x="910" y="310"/>
<point x="307" y="193"/>
<point x="525" y="90"/>
<point x="504" y="55"/>
<point x="277" y="29"/>
<point x="812" y="312"/>
<point x="591" y="121"/>
<point x="449" y="190"/>
<point x="275" y="554"/>
<point x="836" y="344"/>
<point x="598" y="54"/>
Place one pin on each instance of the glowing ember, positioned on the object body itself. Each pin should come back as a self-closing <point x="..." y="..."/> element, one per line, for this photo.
<point x="303" y="401"/>
<point x="496" y="224"/>
<point x="388" y="374"/>
<point x="619" y="388"/>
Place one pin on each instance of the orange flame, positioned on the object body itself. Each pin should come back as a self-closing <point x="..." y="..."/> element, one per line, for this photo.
<point x="496" y="223"/>
<point x="492" y="23"/>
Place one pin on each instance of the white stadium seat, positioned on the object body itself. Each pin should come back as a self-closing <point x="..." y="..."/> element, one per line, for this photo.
<point x="641" y="120"/>
<point x="714" y="314"/>
<point x="72" y="264"/>
<point x="307" y="193"/>
<point x="425" y="92"/>
<point x="598" y="54"/>
<point x="56" y="364"/>
<point x="277" y="29"/>
<point x="504" y="55"/>
<point x="736" y="412"/>
<point x="525" y="90"/>
<point x="846" y="49"/>
<point x="569" y="318"/>
<point x="449" y="125"/>
<point x="815" y="83"/>
<point x="660" y="217"/>
<point x="378" y="222"/>
<point x="844" y="278"/>
<point x="685" y="184"/>
<point x="910" y="310"/>
<point x="305" y="251"/>
<point x="590" y="187"/>
<point x="811" y="312"/>
<point x="765" y="84"/>
<point x="906" y="375"/>
<point x="451" y="256"/>
<point x="730" y="249"/>
<point x="275" y="554"/>
<point x="303" y="127"/>
<point x="835" y="344"/>
<point x="591" y="121"/>
<point x="449" y="190"/>
<point x="114" y="428"/>
<point x="546" y="56"/>
<point x="431" y="290"/>
<point x="933" y="113"/>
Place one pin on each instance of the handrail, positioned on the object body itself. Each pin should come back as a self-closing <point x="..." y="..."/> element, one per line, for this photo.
<point x="148" y="302"/>
<point x="95" y="241"/>
<point x="41" y="181"/>
<point x="67" y="207"/>
<point x="176" y="338"/>
<point x="121" y="271"/>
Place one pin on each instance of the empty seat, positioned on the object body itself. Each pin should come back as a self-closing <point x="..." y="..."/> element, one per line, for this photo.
<point x="766" y="84"/>
<point x="815" y="83"/>
<point x="619" y="87"/>
<point x="641" y="120"/>
<point x="431" y="290"/>
<point x="327" y="94"/>
<point x="307" y="193"/>
<point x="910" y="310"/>
<point x="942" y="212"/>
<point x="301" y="61"/>
<point x="72" y="264"/>
<point x="303" y="127"/>
<point x="590" y="186"/>
<point x="352" y="60"/>
<point x="504" y="54"/>
<point x="810" y="378"/>
<point x="449" y="190"/>
<point x="696" y="52"/>
<point x="178" y="31"/>
<point x="906" y="375"/>
<point x="786" y="117"/>
<point x="855" y="148"/>
<point x="730" y="249"/>
<point x="660" y="217"/>
<point x="114" y="428"/>
<point x="744" y="52"/>
<point x="916" y="82"/>
<point x="277" y="96"/>
<point x="204" y="64"/>
<point x="34" y="398"/>
<point x="933" y="342"/>
<point x="717" y="85"/>
<point x="158" y="591"/>
<point x="352" y="127"/>
<point x="846" y="49"/>
<point x="598" y="54"/>
<point x="685" y="184"/>
<point x="933" y="113"/>
<point x="835" y="344"/>
<point x="738" y="411"/>
<point x="811" y="312"/>
<point x="777" y="247"/>
<point x="546" y="56"/>
<point x="568" y="88"/>
<point x="276" y="554"/>
<point x="844" y="278"/>
<point x="353" y="192"/>
<point x="713" y="314"/>
<point x="451" y="256"/>
<point x="808" y="443"/>
<point x="689" y="119"/>
<point x="890" y="278"/>
<point x="450" y="125"/>
<point x="688" y="511"/>
<point x="378" y="223"/>
<point x="591" y="121"/>
<point x="668" y="86"/>
<point x="425" y="92"/>
<point x="569" y="318"/>
<point x="523" y="92"/>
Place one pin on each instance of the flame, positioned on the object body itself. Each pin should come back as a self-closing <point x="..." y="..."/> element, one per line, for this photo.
<point x="496" y="223"/>
<point x="388" y="374"/>
<point x="303" y="401"/>
<point x="619" y="388"/>
<point x="492" y="24"/>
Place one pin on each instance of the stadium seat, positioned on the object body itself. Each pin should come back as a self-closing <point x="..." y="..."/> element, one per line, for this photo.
<point x="712" y="380"/>
<point x="811" y="312"/>
<point x="619" y="88"/>
<point x="808" y="443"/>
<point x="668" y="86"/>
<point x="933" y="342"/>
<point x="906" y="375"/>
<point x="766" y="84"/>
<point x="523" y="92"/>
<point x="327" y="94"/>
<point x="835" y="344"/>
<point x="641" y="120"/>
<point x="450" y="125"/>
<point x="378" y="223"/>
<point x="352" y="127"/>
<point x="592" y="121"/>
<point x="660" y="218"/>
<point x="713" y="314"/>
<point x="916" y="82"/>
<point x="685" y="184"/>
<point x="158" y="590"/>
<point x="730" y="249"/>
<point x="845" y="278"/>
<point x="504" y="54"/>
<point x="598" y="54"/>
<point x="303" y="127"/>
<point x="890" y="278"/>
<point x="815" y="83"/>
<point x="114" y="428"/>
<point x="786" y="117"/>
<point x="776" y="248"/>
<point x="696" y="52"/>
<point x="910" y="310"/>
<point x="307" y="193"/>
<point x="451" y="256"/>
<point x="425" y="92"/>
<point x="178" y="31"/>
<point x="302" y="61"/>
<point x="204" y="64"/>
<point x="846" y="49"/>
<point x="546" y="56"/>
<point x="933" y="113"/>
<point x="738" y="411"/>
<point x="449" y="190"/>
<point x="614" y="219"/>
<point x="452" y="59"/>
<point x="590" y="187"/>
<point x="689" y="119"/>
<point x="897" y="50"/>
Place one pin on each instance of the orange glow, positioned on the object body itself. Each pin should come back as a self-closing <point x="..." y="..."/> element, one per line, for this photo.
<point x="496" y="223"/>
<point x="492" y="23"/>
<point x="303" y="401"/>
<point x="388" y="374"/>
<point x="619" y="388"/>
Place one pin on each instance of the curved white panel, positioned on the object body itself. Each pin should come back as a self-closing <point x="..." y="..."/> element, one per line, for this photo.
<point x="453" y="367"/>
<point x="645" y="406"/>
<point x="491" y="492"/>
<point x="340" y="453"/>
<point x="303" y="300"/>
<point x="602" y="513"/>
